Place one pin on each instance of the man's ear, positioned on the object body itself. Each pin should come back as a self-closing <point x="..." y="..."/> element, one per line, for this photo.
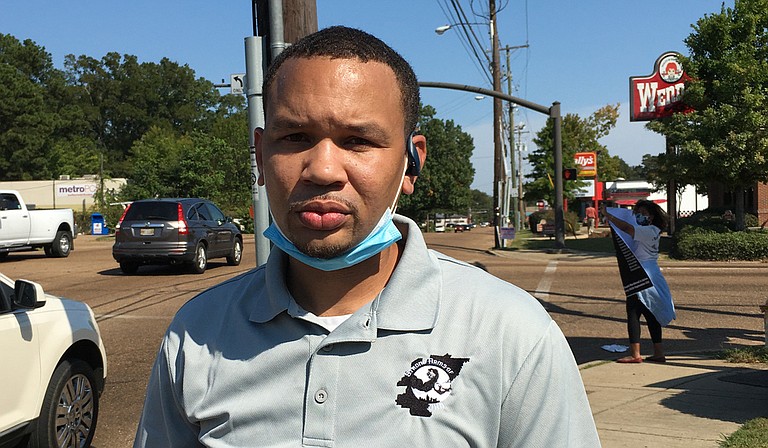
<point x="420" y="142"/>
<point x="259" y="156"/>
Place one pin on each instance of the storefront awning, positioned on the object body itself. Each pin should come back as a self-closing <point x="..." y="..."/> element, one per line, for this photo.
<point x="632" y="201"/>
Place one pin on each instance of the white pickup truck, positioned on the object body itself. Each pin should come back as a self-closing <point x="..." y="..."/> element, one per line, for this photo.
<point x="25" y="229"/>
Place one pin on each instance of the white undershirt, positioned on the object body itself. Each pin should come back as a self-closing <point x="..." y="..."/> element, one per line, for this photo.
<point x="330" y="323"/>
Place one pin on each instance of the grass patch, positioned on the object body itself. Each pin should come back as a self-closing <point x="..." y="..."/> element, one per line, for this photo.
<point x="527" y="240"/>
<point x="750" y="354"/>
<point x="753" y="434"/>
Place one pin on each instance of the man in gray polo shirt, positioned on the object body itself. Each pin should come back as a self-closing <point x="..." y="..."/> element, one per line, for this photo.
<point x="354" y="333"/>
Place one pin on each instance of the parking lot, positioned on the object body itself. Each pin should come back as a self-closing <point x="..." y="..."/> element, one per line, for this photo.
<point x="717" y="304"/>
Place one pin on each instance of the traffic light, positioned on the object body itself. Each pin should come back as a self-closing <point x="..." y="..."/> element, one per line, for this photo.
<point x="569" y="173"/>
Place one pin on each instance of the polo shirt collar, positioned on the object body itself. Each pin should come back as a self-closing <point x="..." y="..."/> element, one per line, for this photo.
<point x="409" y="302"/>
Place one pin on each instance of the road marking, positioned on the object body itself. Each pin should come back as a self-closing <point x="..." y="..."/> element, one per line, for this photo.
<point x="542" y="290"/>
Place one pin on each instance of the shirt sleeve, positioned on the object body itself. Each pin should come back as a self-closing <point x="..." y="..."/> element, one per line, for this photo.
<point x="163" y="421"/>
<point x="547" y="404"/>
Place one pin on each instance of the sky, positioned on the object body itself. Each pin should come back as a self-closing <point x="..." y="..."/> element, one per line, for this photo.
<point x="579" y="52"/>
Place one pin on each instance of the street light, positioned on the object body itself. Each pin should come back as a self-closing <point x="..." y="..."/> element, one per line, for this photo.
<point x="442" y="29"/>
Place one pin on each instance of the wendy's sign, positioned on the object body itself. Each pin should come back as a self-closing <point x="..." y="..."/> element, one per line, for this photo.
<point x="659" y="94"/>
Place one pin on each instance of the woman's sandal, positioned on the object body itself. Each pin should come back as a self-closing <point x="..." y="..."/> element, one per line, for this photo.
<point x="659" y="359"/>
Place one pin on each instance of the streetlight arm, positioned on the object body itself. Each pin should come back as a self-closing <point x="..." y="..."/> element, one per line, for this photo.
<point x="519" y="101"/>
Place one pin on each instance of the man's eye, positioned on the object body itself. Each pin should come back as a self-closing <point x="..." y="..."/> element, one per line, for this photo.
<point x="359" y="143"/>
<point x="294" y="138"/>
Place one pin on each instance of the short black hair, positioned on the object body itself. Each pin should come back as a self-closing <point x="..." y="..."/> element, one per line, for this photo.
<point x="341" y="42"/>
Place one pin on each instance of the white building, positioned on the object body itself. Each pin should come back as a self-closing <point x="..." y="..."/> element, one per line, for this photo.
<point x="627" y="192"/>
<point x="77" y="194"/>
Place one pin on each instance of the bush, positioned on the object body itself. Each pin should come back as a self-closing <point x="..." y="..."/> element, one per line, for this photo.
<point x="705" y="244"/>
<point x="705" y="235"/>
<point x="712" y="219"/>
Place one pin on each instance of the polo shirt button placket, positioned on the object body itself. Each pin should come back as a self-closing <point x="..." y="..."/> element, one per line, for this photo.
<point x="320" y="396"/>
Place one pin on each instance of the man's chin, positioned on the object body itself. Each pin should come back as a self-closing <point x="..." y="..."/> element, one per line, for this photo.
<point x="324" y="251"/>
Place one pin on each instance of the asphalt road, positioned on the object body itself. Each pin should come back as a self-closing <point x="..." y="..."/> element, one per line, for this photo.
<point x="717" y="304"/>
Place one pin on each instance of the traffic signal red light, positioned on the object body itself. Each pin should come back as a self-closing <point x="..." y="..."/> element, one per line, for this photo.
<point x="569" y="173"/>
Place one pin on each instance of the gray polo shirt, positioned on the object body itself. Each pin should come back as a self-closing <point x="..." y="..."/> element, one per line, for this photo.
<point x="446" y="356"/>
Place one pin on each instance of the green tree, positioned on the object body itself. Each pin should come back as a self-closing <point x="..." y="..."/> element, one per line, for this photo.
<point x="578" y="135"/>
<point x="27" y="121"/>
<point x="215" y="170"/>
<point x="443" y="185"/>
<point x="191" y="165"/>
<point x="482" y="206"/>
<point x="122" y="99"/>
<point x="725" y="138"/>
<point x="155" y="168"/>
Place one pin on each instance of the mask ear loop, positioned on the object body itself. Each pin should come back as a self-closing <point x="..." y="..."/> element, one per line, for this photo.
<point x="393" y="207"/>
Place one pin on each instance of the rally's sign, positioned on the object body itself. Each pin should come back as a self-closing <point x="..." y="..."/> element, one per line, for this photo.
<point x="659" y="94"/>
<point x="586" y="162"/>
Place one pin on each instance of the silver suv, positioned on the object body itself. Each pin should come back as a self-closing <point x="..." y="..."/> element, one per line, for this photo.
<point x="53" y="368"/>
<point x="172" y="231"/>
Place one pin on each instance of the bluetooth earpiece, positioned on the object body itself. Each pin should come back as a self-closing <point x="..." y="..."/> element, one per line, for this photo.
<point x="414" y="163"/>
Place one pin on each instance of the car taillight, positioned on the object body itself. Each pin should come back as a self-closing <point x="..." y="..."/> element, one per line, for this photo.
<point x="120" y="222"/>
<point x="183" y="228"/>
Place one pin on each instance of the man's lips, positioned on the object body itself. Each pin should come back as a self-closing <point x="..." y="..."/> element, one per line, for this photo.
<point x="322" y="216"/>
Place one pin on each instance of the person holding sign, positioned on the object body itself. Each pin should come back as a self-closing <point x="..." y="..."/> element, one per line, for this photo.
<point x="636" y="238"/>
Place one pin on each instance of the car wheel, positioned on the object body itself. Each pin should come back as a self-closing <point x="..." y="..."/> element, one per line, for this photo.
<point x="234" y="257"/>
<point x="70" y="408"/>
<point x="201" y="259"/>
<point x="3" y="255"/>
<point x="129" y="267"/>
<point x="62" y="244"/>
<point x="48" y="251"/>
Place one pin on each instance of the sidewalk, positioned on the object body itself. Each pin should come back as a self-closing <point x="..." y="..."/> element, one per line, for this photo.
<point x="691" y="401"/>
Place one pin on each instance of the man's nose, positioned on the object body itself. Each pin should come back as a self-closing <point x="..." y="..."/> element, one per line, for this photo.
<point x="325" y="164"/>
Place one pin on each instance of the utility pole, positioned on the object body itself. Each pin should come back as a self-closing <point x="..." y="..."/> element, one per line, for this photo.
<point x="512" y="141"/>
<point x="520" y="147"/>
<point x="497" y="153"/>
<point x="513" y="178"/>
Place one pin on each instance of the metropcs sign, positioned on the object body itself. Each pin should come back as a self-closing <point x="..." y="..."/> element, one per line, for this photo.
<point x="84" y="189"/>
<point x="659" y="94"/>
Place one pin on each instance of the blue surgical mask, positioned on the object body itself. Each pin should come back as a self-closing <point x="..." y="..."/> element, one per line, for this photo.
<point x="642" y="220"/>
<point x="383" y="235"/>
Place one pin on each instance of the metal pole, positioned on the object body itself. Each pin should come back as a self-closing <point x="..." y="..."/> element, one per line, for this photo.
<point x="254" y="75"/>
<point x="671" y="194"/>
<point x="520" y="201"/>
<point x="276" y="28"/>
<point x="497" y="164"/>
<point x="557" y="138"/>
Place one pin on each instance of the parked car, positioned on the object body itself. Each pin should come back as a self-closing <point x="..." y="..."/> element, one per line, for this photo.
<point x="53" y="368"/>
<point x="187" y="231"/>
<point x="461" y="227"/>
<point x="24" y="228"/>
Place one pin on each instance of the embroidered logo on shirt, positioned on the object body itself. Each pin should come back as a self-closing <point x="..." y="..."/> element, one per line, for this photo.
<point x="428" y="383"/>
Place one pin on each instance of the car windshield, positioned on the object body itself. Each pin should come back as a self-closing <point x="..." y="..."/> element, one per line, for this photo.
<point x="139" y="211"/>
